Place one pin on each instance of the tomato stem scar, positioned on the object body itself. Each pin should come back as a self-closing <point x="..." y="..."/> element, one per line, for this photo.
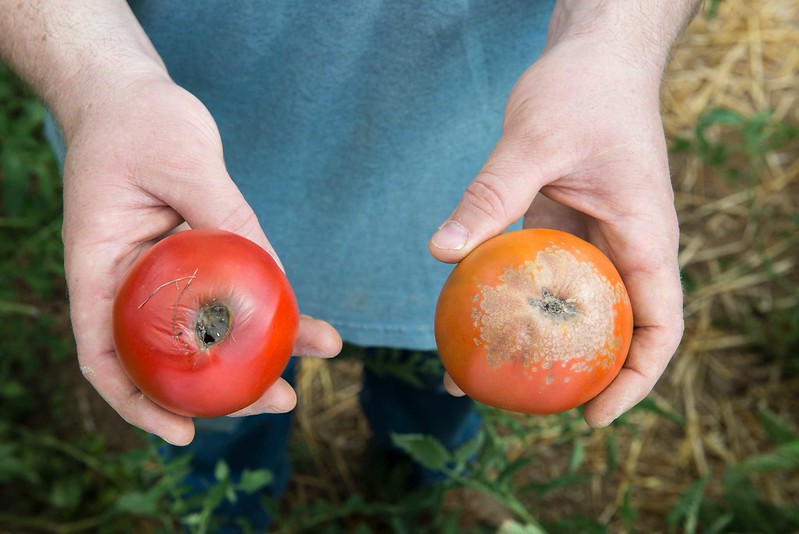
<point x="552" y="305"/>
<point x="213" y="324"/>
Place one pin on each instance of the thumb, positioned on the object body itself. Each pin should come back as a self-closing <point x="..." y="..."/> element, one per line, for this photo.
<point x="212" y="200"/>
<point x="500" y="194"/>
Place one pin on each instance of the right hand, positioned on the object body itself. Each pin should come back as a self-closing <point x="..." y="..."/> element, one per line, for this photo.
<point x="583" y="150"/>
<point x="144" y="158"/>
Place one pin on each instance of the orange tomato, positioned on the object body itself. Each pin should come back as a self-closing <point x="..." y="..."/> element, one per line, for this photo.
<point x="535" y="321"/>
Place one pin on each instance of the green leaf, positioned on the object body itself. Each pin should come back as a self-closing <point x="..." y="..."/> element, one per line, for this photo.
<point x="506" y="471"/>
<point x="230" y="494"/>
<point x="686" y="511"/>
<point x="571" y="525"/>
<point x="468" y="451"/>
<point x="543" y="488"/>
<point x="192" y="520"/>
<point x="612" y="448"/>
<point x="221" y="471"/>
<point x="12" y="390"/>
<point x="66" y="493"/>
<point x="649" y="405"/>
<point x="11" y="467"/>
<point x="720" y="524"/>
<point x="512" y="527"/>
<point x="426" y="450"/>
<point x="577" y="457"/>
<point x="626" y="510"/>
<point x="784" y="458"/>
<point x="778" y="429"/>
<point x="751" y="513"/>
<point x="252" y="481"/>
<point x="138" y="503"/>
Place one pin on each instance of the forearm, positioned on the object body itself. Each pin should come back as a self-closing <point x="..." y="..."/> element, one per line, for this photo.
<point x="643" y="30"/>
<point x="73" y="51"/>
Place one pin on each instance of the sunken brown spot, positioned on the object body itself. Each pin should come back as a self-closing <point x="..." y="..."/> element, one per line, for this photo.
<point x="533" y="318"/>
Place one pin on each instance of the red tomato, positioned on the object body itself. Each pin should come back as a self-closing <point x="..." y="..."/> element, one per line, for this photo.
<point x="534" y="321"/>
<point x="205" y="322"/>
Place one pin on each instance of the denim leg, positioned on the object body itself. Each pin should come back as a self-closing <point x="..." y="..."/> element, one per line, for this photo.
<point x="254" y="442"/>
<point x="394" y="404"/>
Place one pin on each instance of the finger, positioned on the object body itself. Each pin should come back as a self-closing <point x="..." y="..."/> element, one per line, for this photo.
<point x="656" y="298"/>
<point x="500" y="195"/>
<point x="279" y="398"/>
<point x="231" y="212"/>
<point x="317" y="338"/>
<point x="91" y="306"/>
<point x="104" y="373"/>
<point x="451" y="387"/>
<point x="651" y="350"/>
<point x="100" y="366"/>
<point x="204" y="194"/>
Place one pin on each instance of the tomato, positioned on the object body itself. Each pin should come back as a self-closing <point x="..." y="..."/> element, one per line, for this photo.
<point x="204" y="322"/>
<point x="535" y="321"/>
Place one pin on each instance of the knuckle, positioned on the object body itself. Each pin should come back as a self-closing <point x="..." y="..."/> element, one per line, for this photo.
<point x="487" y="195"/>
<point x="187" y="163"/>
<point x="241" y="220"/>
<point x="675" y="331"/>
<point x="667" y="337"/>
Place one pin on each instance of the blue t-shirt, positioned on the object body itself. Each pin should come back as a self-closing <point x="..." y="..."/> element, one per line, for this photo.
<point x="353" y="128"/>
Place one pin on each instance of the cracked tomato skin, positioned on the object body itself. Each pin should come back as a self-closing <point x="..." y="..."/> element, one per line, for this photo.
<point x="535" y="321"/>
<point x="204" y="322"/>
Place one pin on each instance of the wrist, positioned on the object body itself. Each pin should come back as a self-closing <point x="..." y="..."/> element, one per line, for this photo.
<point x="74" y="52"/>
<point x="640" y="32"/>
<point x="91" y="90"/>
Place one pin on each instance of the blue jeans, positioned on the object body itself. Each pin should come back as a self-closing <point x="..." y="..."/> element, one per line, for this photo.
<point x="390" y="403"/>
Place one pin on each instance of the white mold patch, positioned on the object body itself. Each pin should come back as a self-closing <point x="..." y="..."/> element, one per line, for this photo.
<point x="554" y="309"/>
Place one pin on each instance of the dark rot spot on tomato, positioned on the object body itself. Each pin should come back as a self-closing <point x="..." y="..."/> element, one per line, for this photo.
<point x="213" y="323"/>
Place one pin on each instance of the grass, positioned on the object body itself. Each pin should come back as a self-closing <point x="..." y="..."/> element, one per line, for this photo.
<point x="714" y="449"/>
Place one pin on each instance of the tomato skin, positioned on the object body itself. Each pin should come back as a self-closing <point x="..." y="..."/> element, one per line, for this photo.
<point x="534" y="321"/>
<point x="156" y="313"/>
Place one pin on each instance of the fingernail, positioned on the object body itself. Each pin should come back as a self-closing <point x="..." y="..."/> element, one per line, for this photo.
<point x="450" y="236"/>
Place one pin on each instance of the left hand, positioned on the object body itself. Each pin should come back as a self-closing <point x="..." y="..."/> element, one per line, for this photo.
<point x="583" y="150"/>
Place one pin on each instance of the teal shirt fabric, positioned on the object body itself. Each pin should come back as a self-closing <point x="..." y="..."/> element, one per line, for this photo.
<point x="353" y="128"/>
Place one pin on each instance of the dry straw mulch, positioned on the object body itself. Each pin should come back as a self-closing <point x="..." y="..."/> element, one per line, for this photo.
<point x="739" y="253"/>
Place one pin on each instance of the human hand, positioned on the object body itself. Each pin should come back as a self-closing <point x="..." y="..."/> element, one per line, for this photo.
<point x="144" y="159"/>
<point x="583" y="150"/>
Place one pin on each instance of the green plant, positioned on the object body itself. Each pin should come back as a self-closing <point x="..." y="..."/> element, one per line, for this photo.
<point x="80" y="485"/>
<point x="741" y="506"/>
<point x="736" y="144"/>
<point x="484" y="464"/>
